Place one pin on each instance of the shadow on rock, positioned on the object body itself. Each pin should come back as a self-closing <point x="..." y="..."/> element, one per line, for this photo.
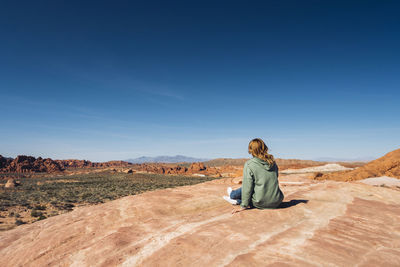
<point x="291" y="203"/>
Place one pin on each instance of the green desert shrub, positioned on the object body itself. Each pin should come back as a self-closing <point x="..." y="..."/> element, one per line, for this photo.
<point x="19" y="222"/>
<point x="35" y="213"/>
<point x="40" y="207"/>
<point x="41" y="217"/>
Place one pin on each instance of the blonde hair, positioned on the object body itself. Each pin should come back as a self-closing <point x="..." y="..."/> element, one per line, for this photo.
<point x="259" y="149"/>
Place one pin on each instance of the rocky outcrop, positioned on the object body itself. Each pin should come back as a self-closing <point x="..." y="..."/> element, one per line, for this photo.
<point x="197" y="166"/>
<point x="75" y="163"/>
<point x="11" y="183"/>
<point x="161" y="168"/>
<point x="194" y="168"/>
<point x="28" y="164"/>
<point x="322" y="223"/>
<point x="388" y="165"/>
<point x="4" y="162"/>
<point x="113" y="163"/>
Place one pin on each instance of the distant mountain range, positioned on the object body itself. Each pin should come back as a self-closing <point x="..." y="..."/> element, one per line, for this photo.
<point x="165" y="159"/>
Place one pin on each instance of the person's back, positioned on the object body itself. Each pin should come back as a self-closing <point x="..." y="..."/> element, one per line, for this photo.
<point x="260" y="186"/>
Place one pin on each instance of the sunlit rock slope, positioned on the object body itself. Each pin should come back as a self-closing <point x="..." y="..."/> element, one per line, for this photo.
<point x="324" y="223"/>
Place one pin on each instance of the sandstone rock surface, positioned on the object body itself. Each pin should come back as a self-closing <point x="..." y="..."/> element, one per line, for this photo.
<point x="323" y="223"/>
<point x="388" y="165"/>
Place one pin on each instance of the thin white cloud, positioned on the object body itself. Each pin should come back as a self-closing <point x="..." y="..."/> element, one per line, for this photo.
<point x="110" y="76"/>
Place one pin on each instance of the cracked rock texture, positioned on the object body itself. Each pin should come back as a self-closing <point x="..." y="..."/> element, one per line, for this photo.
<point x="322" y="223"/>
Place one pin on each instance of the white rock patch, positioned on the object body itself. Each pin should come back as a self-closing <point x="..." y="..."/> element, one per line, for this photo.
<point x="332" y="167"/>
<point x="383" y="180"/>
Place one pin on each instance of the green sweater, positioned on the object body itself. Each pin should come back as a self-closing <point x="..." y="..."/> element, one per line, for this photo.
<point x="260" y="187"/>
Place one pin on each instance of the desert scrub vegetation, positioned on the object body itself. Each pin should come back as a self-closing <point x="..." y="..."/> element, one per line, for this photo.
<point x="39" y="198"/>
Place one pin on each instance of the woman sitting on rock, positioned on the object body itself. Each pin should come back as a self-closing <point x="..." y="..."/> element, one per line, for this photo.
<point x="260" y="186"/>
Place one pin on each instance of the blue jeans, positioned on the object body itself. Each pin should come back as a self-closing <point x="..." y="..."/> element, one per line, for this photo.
<point x="237" y="195"/>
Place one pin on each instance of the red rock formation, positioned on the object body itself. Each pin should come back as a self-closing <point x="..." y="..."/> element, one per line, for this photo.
<point x="4" y="162"/>
<point x="388" y="165"/>
<point x="197" y="166"/>
<point x="161" y="168"/>
<point x="114" y="163"/>
<point x="28" y="164"/>
<point x="75" y="163"/>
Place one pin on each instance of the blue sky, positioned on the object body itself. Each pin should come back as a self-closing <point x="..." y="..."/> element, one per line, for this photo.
<point x="105" y="80"/>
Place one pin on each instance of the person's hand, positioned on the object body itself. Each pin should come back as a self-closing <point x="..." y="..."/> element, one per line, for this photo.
<point x="238" y="209"/>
